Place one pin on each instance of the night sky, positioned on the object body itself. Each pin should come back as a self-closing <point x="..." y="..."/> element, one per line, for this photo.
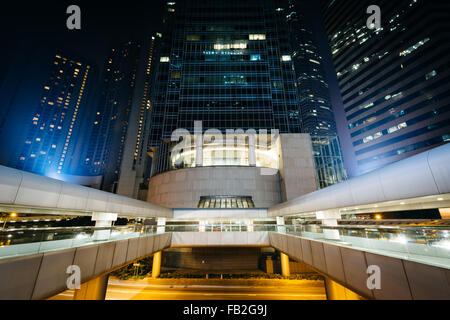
<point x="27" y="23"/>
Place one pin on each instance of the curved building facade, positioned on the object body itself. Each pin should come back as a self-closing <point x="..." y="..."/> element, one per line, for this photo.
<point x="234" y="173"/>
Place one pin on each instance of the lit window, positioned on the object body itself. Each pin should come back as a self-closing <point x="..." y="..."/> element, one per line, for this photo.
<point x="286" y="58"/>
<point x="164" y="59"/>
<point x="193" y="37"/>
<point x="430" y="75"/>
<point x="255" y="57"/>
<point x="392" y="129"/>
<point x="257" y="37"/>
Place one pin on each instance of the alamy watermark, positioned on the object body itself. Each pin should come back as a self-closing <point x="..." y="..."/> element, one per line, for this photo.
<point x="74" y="20"/>
<point x="374" y="280"/>
<point x="374" y="21"/>
<point x="74" y="280"/>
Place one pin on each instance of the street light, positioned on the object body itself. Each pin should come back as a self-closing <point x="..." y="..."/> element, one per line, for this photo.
<point x="12" y="215"/>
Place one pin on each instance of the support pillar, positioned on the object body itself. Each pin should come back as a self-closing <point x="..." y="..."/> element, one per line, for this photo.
<point x="335" y="291"/>
<point x="156" y="270"/>
<point x="103" y="220"/>
<point x="198" y="136"/>
<point x="94" y="289"/>
<point x="329" y="218"/>
<point x="161" y="225"/>
<point x="280" y="225"/>
<point x="269" y="265"/>
<point x="251" y="150"/>
<point x="285" y="270"/>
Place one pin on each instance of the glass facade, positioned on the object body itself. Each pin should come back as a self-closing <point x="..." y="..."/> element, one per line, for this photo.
<point x="225" y="202"/>
<point x="394" y="81"/>
<point x="328" y="160"/>
<point x="227" y="64"/>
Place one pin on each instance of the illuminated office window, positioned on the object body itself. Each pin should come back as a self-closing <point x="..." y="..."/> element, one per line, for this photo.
<point x="257" y="37"/>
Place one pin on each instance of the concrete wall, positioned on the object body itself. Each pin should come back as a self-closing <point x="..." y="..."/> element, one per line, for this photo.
<point x="219" y="213"/>
<point x="44" y="275"/>
<point x="297" y="168"/>
<point x="205" y="239"/>
<point x="400" y="279"/>
<point x="212" y="259"/>
<point x="183" y="188"/>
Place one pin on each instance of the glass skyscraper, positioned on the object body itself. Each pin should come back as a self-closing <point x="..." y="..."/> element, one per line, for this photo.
<point x="227" y="64"/>
<point x="394" y="81"/>
<point x="110" y="123"/>
<point x="316" y="111"/>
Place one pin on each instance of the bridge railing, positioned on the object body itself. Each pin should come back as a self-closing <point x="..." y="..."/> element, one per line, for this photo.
<point x="17" y="242"/>
<point x="430" y="244"/>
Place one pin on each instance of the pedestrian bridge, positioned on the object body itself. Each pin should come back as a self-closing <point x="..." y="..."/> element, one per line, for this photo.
<point x="414" y="261"/>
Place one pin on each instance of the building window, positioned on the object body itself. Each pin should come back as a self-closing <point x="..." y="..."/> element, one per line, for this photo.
<point x="286" y="58"/>
<point x="225" y="202"/>
<point x="257" y="37"/>
<point x="164" y="59"/>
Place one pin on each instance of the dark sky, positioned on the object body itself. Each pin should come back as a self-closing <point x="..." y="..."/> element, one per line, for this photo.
<point x="102" y="22"/>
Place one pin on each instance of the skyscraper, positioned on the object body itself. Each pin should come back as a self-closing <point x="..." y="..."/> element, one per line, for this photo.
<point x="136" y="162"/>
<point x="105" y="149"/>
<point x="316" y="111"/>
<point x="393" y="80"/>
<point x="55" y="128"/>
<point x="227" y="64"/>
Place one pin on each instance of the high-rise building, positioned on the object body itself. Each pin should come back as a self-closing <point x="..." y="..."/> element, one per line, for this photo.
<point x="111" y="122"/>
<point x="393" y="80"/>
<point x="316" y="111"/>
<point x="227" y="64"/>
<point x="55" y="128"/>
<point x="136" y="162"/>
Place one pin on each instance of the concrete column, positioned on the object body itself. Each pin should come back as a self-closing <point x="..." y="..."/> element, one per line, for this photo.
<point x="103" y="219"/>
<point x="285" y="271"/>
<point x="280" y="225"/>
<point x="202" y="226"/>
<point x="156" y="270"/>
<point x="198" y="136"/>
<point x="161" y="225"/>
<point x="329" y="218"/>
<point x="335" y="291"/>
<point x="94" y="289"/>
<point x="251" y="150"/>
<point x="269" y="265"/>
<point x="249" y="224"/>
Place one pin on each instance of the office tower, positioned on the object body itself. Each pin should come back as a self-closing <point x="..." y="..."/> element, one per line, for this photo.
<point x="105" y="150"/>
<point x="316" y="111"/>
<point x="54" y="129"/>
<point x="393" y="80"/>
<point x="227" y="64"/>
<point x="136" y="163"/>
